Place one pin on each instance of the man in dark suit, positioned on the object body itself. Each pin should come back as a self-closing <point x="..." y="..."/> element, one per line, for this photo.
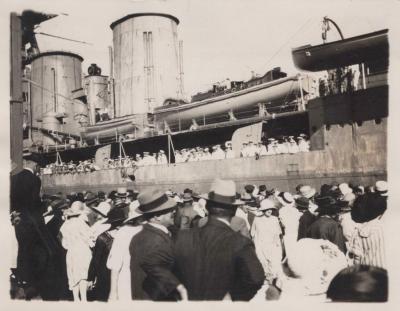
<point x="151" y="276"/>
<point x="214" y="262"/>
<point x="26" y="210"/>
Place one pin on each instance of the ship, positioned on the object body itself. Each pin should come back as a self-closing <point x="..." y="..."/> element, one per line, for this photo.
<point x="347" y="127"/>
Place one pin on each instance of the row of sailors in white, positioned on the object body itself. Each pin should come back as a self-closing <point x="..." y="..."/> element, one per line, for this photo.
<point x="151" y="159"/>
<point x="204" y="154"/>
<point x="251" y="149"/>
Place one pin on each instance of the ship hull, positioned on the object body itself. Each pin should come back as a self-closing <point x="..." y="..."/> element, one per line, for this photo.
<point x="284" y="172"/>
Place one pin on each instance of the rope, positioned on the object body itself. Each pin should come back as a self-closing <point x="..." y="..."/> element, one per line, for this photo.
<point x="289" y="40"/>
<point x="63" y="38"/>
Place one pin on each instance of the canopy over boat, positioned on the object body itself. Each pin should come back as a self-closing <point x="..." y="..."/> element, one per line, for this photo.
<point x="356" y="50"/>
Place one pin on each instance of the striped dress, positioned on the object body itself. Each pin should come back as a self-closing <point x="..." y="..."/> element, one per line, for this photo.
<point x="368" y="244"/>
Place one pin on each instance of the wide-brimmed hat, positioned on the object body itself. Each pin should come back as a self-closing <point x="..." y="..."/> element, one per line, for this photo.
<point x="381" y="187"/>
<point x="77" y="208"/>
<point x="58" y="205"/>
<point x="34" y="157"/>
<point x="103" y="208"/>
<point x="285" y="198"/>
<point x="153" y="200"/>
<point x="302" y="203"/>
<point x="133" y="211"/>
<point x="115" y="215"/>
<point x="368" y="207"/>
<point x="121" y="192"/>
<point x="223" y="192"/>
<point x="345" y="189"/>
<point x="307" y="191"/>
<point x="90" y="198"/>
<point x="328" y="205"/>
<point x="267" y="204"/>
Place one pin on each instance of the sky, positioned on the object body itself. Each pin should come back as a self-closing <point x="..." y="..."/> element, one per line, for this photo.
<point x="221" y="38"/>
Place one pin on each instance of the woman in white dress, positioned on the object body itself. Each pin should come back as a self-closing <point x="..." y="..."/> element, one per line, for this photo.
<point x="266" y="234"/>
<point x="76" y="238"/>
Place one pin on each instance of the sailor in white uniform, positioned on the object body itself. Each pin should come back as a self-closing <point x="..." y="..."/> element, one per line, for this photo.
<point x="218" y="153"/>
<point x="293" y="148"/>
<point x="229" y="153"/>
<point x="304" y="145"/>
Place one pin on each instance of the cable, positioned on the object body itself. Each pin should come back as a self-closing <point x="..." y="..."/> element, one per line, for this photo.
<point x="290" y="39"/>
<point x="63" y="38"/>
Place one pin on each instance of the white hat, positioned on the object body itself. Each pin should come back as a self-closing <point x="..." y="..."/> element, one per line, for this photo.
<point x="133" y="211"/>
<point x="345" y="189"/>
<point x="267" y="204"/>
<point x="382" y="187"/>
<point x="103" y="208"/>
<point x="286" y="199"/>
<point x="315" y="262"/>
<point x="307" y="191"/>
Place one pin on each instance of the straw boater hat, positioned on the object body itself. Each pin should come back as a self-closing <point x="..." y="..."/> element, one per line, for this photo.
<point x="121" y="192"/>
<point x="223" y="192"/>
<point x="307" y="191"/>
<point x="153" y="200"/>
<point x="381" y="187"/>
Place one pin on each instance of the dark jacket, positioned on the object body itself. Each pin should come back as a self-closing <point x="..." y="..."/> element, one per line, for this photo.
<point x="25" y="194"/>
<point x="213" y="260"/>
<point x="305" y="221"/>
<point x="328" y="229"/>
<point x="151" y="264"/>
<point x="98" y="266"/>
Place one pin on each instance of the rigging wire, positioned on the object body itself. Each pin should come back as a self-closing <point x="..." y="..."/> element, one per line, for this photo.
<point x="63" y="38"/>
<point x="287" y="41"/>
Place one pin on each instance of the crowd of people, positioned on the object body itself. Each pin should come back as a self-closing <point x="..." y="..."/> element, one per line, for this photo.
<point x="283" y="145"/>
<point x="254" y="243"/>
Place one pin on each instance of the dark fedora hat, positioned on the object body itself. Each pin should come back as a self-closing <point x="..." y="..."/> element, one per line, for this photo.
<point x="90" y="198"/>
<point x="223" y="192"/>
<point x="58" y="205"/>
<point x="153" y="200"/>
<point x="327" y="205"/>
<point x="302" y="203"/>
<point x="368" y="207"/>
<point x="116" y="215"/>
<point x="34" y="157"/>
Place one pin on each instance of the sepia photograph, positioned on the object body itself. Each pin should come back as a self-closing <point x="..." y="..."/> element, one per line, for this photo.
<point x="188" y="150"/>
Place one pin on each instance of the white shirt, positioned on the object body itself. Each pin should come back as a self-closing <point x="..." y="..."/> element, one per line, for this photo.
<point x="120" y="259"/>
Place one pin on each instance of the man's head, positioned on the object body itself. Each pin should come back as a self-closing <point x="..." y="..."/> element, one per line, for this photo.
<point x="222" y="199"/>
<point x="157" y="207"/>
<point x="32" y="161"/>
